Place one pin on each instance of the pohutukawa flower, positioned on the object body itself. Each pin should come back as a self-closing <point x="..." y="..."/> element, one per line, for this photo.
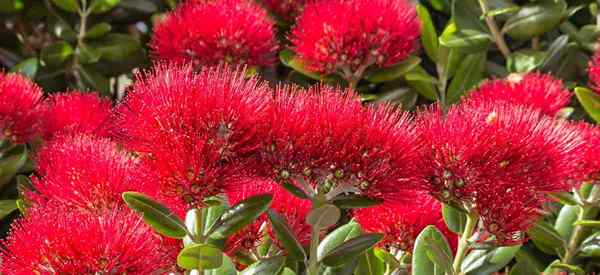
<point x="62" y="241"/>
<point x="590" y="163"/>
<point x="324" y="138"/>
<point x="18" y="107"/>
<point x="493" y="150"/>
<point x="75" y="113"/>
<point x="293" y="209"/>
<point x="86" y="173"/>
<point x="194" y="130"/>
<point x="594" y="72"/>
<point x="537" y="90"/>
<point x="350" y="36"/>
<point x="402" y="223"/>
<point x="216" y="32"/>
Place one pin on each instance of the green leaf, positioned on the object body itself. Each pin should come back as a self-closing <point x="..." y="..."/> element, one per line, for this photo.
<point x="88" y="55"/>
<point x="483" y="262"/>
<point x="116" y="46"/>
<point x="288" y="58"/>
<point x="269" y="266"/>
<point x="211" y="215"/>
<point x="286" y="236"/>
<point x="9" y="6"/>
<point x="56" y="53"/>
<point x="67" y="5"/>
<point x="438" y="250"/>
<point x="193" y="223"/>
<point x="350" y="249"/>
<point x="337" y="237"/>
<point x="11" y="164"/>
<point x="227" y="268"/>
<point x="454" y="218"/>
<point x="98" y="30"/>
<point x="387" y="258"/>
<point x="421" y="82"/>
<point x="102" y="6"/>
<point x="394" y="72"/>
<point x="590" y="247"/>
<point x="524" y="61"/>
<point x="240" y="215"/>
<point x="588" y="223"/>
<point x="590" y="101"/>
<point x="555" y="53"/>
<point x="94" y="79"/>
<point x="27" y="67"/>
<point x="324" y="216"/>
<point x="465" y="40"/>
<point x="572" y="269"/>
<point x="369" y="264"/>
<point x="535" y="19"/>
<point x="353" y="201"/>
<point x="159" y="217"/>
<point x="429" y="37"/>
<point x="295" y="190"/>
<point x="7" y="207"/>
<point x="421" y="262"/>
<point x="545" y="237"/>
<point x="525" y="265"/>
<point x="141" y="6"/>
<point x="200" y="256"/>
<point x="469" y="74"/>
<point x="564" y="222"/>
<point x="565" y="198"/>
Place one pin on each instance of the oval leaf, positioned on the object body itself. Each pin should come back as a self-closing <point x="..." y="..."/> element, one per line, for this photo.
<point x="286" y="236"/>
<point x="324" y="216"/>
<point x="27" y="67"/>
<point x="454" y="218"/>
<point x="350" y="249"/>
<point x="240" y="215"/>
<point x="200" y="256"/>
<point x="394" y="72"/>
<point x="67" y="5"/>
<point x="7" y="207"/>
<point x="535" y="19"/>
<point x="421" y="263"/>
<point x="269" y="266"/>
<point x="590" y="101"/>
<point x="429" y="37"/>
<point x="56" y="53"/>
<point x="159" y="217"/>
<point x="337" y="237"/>
<point x="11" y="165"/>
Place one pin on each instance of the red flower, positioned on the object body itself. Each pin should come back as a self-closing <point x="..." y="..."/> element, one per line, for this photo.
<point x="75" y="113"/>
<point x="493" y="150"/>
<point x="18" y="101"/>
<point x="590" y="163"/>
<point x="537" y="90"/>
<point x="326" y="138"/>
<point x="194" y="130"/>
<point x="293" y="209"/>
<point x="216" y="32"/>
<point x="594" y="72"/>
<point x="285" y="9"/>
<point x="86" y="172"/>
<point x="62" y="241"/>
<point x="402" y="223"/>
<point x="349" y="36"/>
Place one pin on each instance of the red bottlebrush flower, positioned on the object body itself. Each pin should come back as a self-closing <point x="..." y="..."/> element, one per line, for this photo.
<point x="216" y="32"/>
<point x="75" y="113"/>
<point x="493" y="150"/>
<point x="350" y="36"/>
<point x="594" y="72"/>
<point x="284" y="9"/>
<point x="537" y="90"/>
<point x="19" y="98"/>
<point x="326" y="138"/>
<point x="194" y="130"/>
<point x="402" y="223"/>
<point x="293" y="209"/>
<point x="590" y="163"/>
<point x="62" y="241"/>
<point x="87" y="173"/>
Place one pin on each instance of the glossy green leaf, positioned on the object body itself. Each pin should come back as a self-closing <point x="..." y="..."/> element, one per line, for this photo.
<point x="524" y="266"/>
<point x="394" y="72"/>
<point x="545" y="237"/>
<point x="200" y="256"/>
<point x="590" y="247"/>
<point x="454" y="218"/>
<point x="535" y="19"/>
<point x="116" y="46"/>
<point x="565" y="198"/>
<point x="369" y="264"/>
<point x="590" y="101"/>
<point x="227" y="268"/>
<point x="286" y="236"/>
<point x="240" y="215"/>
<point x="350" y="249"/>
<point x="324" y="216"/>
<point x="556" y="51"/>
<point x="565" y="219"/>
<point x="353" y="201"/>
<point x="387" y="258"/>
<point x="102" y="6"/>
<point x="465" y="40"/>
<point x="11" y="164"/>
<point x="524" y="61"/>
<point x="211" y="215"/>
<point x="588" y="223"/>
<point x="56" y="53"/>
<point x="269" y="266"/>
<point x="27" y="67"/>
<point x="337" y="237"/>
<point x="288" y="58"/>
<point x="483" y="262"/>
<point x="159" y="217"/>
<point x="429" y="36"/>
<point x="295" y="190"/>
<point x="193" y="223"/>
<point x="422" y="83"/>
<point x="98" y="30"/>
<point x="140" y="6"/>
<point x="67" y="5"/>
<point x="571" y="269"/>
<point x="468" y="75"/>
<point x="94" y="79"/>
<point x="429" y="237"/>
<point x="88" y="55"/>
<point x="7" y="207"/>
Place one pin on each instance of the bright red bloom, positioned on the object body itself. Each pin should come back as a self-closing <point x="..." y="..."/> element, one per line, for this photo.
<point x="349" y="36"/>
<point x="594" y="72"/>
<point x="194" y="130"/>
<point x="75" y="113"/>
<point x="285" y="9"/>
<point x="590" y="163"/>
<point x="62" y="241"/>
<point x="537" y="90"/>
<point x="479" y="155"/>
<point x="293" y="209"/>
<point x="402" y="223"/>
<point x="326" y="138"/>
<point x="216" y="32"/>
<point x="86" y="172"/>
<point x="18" y="101"/>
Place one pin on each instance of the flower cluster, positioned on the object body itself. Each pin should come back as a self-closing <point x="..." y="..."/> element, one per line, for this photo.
<point x="350" y="36"/>
<point x="594" y="71"/>
<point x="19" y="98"/>
<point x="216" y="32"/>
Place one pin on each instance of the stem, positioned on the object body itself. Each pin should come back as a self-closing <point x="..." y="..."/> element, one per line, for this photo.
<point x="535" y="43"/>
<point x="491" y="23"/>
<point x="313" y="269"/>
<point x="585" y="212"/>
<point x="463" y="243"/>
<point x="84" y="12"/>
